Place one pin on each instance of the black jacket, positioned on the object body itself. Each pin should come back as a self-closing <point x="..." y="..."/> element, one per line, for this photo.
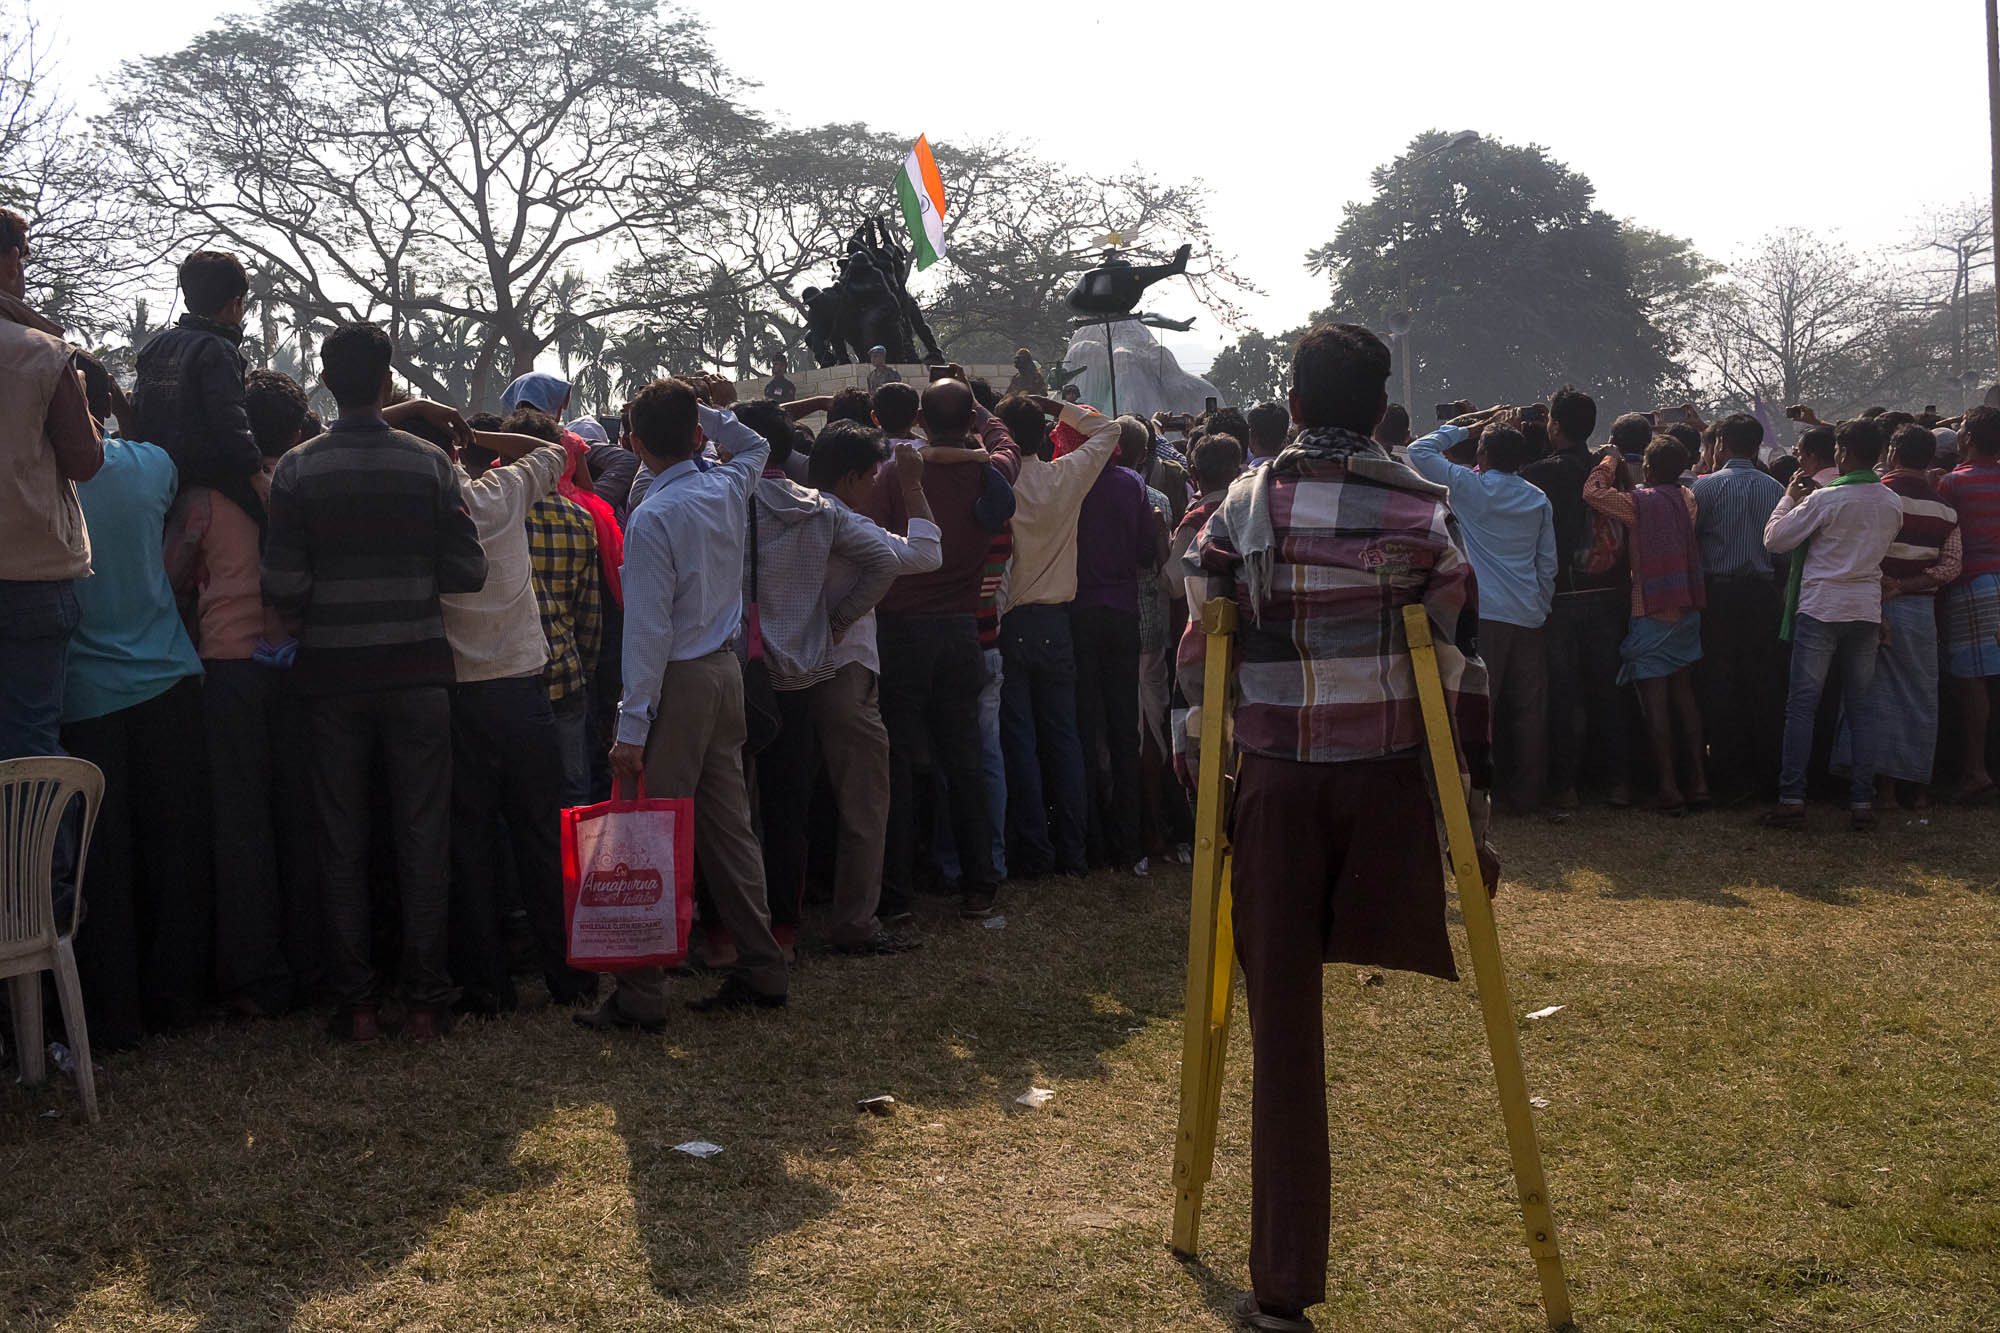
<point x="189" y="401"/>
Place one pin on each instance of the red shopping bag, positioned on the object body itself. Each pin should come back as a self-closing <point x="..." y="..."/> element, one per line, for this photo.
<point x="628" y="883"/>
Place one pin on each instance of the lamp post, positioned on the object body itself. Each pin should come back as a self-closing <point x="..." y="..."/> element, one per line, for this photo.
<point x="1993" y="118"/>
<point x="1403" y="320"/>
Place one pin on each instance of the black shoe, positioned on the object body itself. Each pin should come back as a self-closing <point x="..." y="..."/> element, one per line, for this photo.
<point x="883" y="941"/>
<point x="1255" y="1316"/>
<point x="736" y="993"/>
<point x="608" y="1017"/>
<point x="978" y="903"/>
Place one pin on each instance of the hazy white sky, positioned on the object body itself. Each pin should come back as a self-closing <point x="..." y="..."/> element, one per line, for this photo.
<point x="1718" y="120"/>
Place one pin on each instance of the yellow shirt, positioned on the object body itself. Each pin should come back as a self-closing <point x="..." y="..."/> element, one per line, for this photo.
<point x="1047" y="499"/>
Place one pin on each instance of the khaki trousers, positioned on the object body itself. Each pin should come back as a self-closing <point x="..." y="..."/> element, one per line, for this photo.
<point x="696" y="750"/>
<point x="855" y="746"/>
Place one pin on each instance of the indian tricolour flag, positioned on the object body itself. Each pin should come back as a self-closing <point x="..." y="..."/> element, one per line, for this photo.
<point x="920" y="190"/>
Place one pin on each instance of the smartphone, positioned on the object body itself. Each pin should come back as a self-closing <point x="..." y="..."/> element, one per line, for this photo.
<point x="1446" y="411"/>
<point x="940" y="372"/>
<point x="1670" y="416"/>
<point x="1210" y="404"/>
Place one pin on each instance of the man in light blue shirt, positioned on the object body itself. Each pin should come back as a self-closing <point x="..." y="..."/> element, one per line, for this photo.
<point x="683" y="609"/>
<point x="1509" y="530"/>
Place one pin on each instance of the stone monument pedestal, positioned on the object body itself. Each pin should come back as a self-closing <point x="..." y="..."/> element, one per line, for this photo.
<point x="832" y="379"/>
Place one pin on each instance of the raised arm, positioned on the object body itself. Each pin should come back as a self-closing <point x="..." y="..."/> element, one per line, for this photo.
<point x="461" y="560"/>
<point x="1427" y="457"/>
<point x="745" y="450"/>
<point x="1795" y="519"/>
<point x="1600" y="491"/>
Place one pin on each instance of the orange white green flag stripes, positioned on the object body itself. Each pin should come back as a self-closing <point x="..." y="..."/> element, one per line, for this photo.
<point x="920" y="191"/>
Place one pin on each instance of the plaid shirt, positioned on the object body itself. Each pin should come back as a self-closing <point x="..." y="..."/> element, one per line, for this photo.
<point x="1325" y="676"/>
<point x="562" y="552"/>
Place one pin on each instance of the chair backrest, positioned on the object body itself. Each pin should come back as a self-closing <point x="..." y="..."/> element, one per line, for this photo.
<point x="34" y="794"/>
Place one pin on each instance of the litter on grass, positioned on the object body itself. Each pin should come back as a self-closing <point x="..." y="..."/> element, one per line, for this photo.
<point x="1538" y="1102"/>
<point x="995" y="923"/>
<point x="698" y="1148"/>
<point x="883" y="1105"/>
<point x="1544" y="1013"/>
<point x="1036" y="1098"/>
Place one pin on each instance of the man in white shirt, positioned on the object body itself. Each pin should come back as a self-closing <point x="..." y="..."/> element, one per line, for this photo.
<point x="506" y="767"/>
<point x="683" y="608"/>
<point x="1047" y="797"/>
<point x="846" y="710"/>
<point x="1839" y="532"/>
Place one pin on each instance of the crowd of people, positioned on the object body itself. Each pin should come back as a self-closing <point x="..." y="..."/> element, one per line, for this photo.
<point x="342" y="675"/>
<point x="1786" y="623"/>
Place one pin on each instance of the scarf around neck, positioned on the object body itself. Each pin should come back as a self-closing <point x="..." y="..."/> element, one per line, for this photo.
<point x="1796" y="581"/>
<point x="1247" y="507"/>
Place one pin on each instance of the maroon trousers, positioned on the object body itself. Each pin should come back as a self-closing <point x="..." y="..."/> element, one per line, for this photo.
<point x="1333" y="863"/>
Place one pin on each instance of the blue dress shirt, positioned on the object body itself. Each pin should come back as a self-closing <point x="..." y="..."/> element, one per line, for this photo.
<point x="684" y="566"/>
<point x="1509" y="529"/>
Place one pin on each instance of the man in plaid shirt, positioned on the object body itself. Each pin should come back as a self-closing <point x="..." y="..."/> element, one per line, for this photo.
<point x="1336" y="854"/>
<point x="562" y="553"/>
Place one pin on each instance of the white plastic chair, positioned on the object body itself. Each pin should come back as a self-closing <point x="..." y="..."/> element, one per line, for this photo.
<point x="34" y="793"/>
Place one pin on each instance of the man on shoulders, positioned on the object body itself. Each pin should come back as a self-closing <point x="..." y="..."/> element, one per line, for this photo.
<point x="683" y="612"/>
<point x="188" y="398"/>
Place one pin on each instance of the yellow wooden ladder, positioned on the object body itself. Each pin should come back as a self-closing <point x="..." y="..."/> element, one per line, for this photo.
<point x="1212" y="960"/>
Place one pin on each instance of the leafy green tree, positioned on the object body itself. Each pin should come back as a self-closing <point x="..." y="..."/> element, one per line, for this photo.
<point x="1255" y="368"/>
<point x="1513" y="281"/>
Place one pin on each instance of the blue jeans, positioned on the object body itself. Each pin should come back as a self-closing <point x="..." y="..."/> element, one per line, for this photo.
<point x="1044" y="751"/>
<point x="572" y="715"/>
<point x="993" y="763"/>
<point x="36" y="621"/>
<point x="1816" y="646"/>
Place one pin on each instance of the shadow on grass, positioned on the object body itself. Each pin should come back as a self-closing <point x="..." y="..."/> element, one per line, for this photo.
<point x="239" y="1175"/>
<point x="1706" y="859"/>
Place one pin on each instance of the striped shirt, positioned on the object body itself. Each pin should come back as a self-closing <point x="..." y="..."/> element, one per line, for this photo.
<point x="368" y="529"/>
<point x="1733" y="504"/>
<point x="569" y="591"/>
<point x="1973" y="489"/>
<point x="1324" y="676"/>
<point x="1928" y="527"/>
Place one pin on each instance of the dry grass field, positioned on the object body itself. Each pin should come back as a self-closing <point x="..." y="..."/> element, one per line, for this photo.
<point x="1772" y="1106"/>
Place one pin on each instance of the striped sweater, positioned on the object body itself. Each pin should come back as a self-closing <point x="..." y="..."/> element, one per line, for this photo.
<point x="368" y="528"/>
<point x="1928" y="524"/>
